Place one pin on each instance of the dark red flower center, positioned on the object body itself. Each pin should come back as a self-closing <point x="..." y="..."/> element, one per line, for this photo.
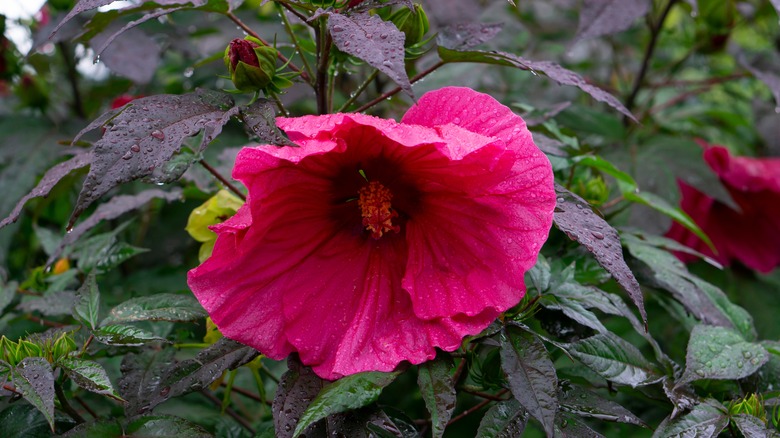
<point x="243" y="50"/>
<point x="374" y="202"/>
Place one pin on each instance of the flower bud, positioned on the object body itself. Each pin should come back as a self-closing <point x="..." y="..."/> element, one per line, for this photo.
<point x="252" y="66"/>
<point x="412" y="22"/>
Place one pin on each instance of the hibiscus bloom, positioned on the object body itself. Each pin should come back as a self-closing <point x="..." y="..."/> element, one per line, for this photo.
<point x="375" y="242"/>
<point x="750" y="235"/>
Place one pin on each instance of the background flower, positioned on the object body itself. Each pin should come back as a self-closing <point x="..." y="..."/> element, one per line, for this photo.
<point x="463" y="202"/>
<point x="750" y="235"/>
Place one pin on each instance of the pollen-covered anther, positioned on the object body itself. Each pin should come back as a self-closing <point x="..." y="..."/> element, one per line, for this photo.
<point x="374" y="202"/>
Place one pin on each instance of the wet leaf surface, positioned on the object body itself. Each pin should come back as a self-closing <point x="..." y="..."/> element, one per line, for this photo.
<point x="531" y="374"/>
<point x="141" y="375"/>
<point x="614" y="359"/>
<point x="552" y="70"/>
<point x="721" y="353"/>
<point x="464" y="36"/>
<point x="158" y="307"/>
<point x="379" y="43"/>
<point x="124" y="335"/>
<point x="506" y="419"/>
<point x="87" y="308"/>
<point x="51" y="304"/>
<point x="260" y="121"/>
<point x="112" y="209"/>
<point x="297" y="388"/>
<point x="605" y="17"/>
<point x="89" y="375"/>
<point x="574" y="216"/>
<point x="438" y="391"/>
<point x="34" y="378"/>
<point x="145" y="134"/>
<point x="49" y="180"/>
<point x="705" y="420"/>
<point x="584" y="403"/>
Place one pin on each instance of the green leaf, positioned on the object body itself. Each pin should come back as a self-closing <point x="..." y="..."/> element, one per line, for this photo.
<point x="351" y="392"/>
<point x="88" y="306"/>
<point x="705" y="420"/>
<point x="98" y="429"/>
<point x="614" y="359"/>
<point x="506" y="419"/>
<point x="165" y="426"/>
<point x="23" y="420"/>
<point x="705" y="301"/>
<point x="721" y="353"/>
<point x="531" y="374"/>
<point x="89" y="375"/>
<point x="34" y="378"/>
<point x="437" y="388"/>
<point x="584" y="403"/>
<point x="124" y="335"/>
<point x="158" y="307"/>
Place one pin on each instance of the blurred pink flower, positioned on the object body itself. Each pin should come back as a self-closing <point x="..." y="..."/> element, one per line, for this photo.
<point x="375" y="241"/>
<point x="750" y="235"/>
<point x="123" y="100"/>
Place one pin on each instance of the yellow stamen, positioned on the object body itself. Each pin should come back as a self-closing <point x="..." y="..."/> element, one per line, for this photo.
<point x="374" y="202"/>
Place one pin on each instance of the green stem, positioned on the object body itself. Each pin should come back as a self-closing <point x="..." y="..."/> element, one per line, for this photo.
<point x="228" y="390"/>
<point x="358" y="91"/>
<point x="279" y="104"/>
<point x="66" y="406"/>
<point x="295" y="42"/>
<point x="323" y="63"/>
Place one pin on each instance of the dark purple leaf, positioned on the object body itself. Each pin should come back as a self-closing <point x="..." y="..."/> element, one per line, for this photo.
<point x="550" y="146"/>
<point x="585" y="403"/>
<point x="377" y="42"/>
<point x="552" y="70"/>
<point x="505" y="419"/>
<point x="569" y="426"/>
<point x="574" y="216"/>
<point x="531" y="375"/>
<point x="438" y="392"/>
<point x="298" y="387"/>
<point x="682" y="396"/>
<point x="141" y="374"/>
<point x="605" y="17"/>
<point x="260" y="121"/>
<point x="706" y="420"/>
<point x="117" y="206"/>
<point x="373" y="4"/>
<point x="49" y="180"/>
<point x="752" y="426"/>
<point x="81" y="6"/>
<point x="51" y="304"/>
<point x="145" y="134"/>
<point x="34" y="378"/>
<point x="770" y="79"/>
<point x="462" y="36"/>
<point x="133" y="54"/>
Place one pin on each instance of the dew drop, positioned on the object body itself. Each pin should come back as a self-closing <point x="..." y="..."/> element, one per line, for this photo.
<point x="597" y="234"/>
<point x="135" y="148"/>
<point x="128" y="155"/>
<point x="159" y="135"/>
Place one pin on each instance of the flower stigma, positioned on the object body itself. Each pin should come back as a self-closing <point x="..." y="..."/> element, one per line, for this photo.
<point x="374" y="202"/>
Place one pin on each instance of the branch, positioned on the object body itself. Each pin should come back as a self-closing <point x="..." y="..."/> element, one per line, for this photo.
<point x="640" y="77"/>
<point x="395" y="90"/>
<point x="222" y="179"/>
<point x="324" y="42"/>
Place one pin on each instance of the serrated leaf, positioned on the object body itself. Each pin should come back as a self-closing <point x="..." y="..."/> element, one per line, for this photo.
<point x="124" y="335"/>
<point x="158" y="307"/>
<point x="51" y="304"/>
<point x="574" y="216"/>
<point x="165" y="425"/>
<point x="531" y="375"/>
<point x="34" y="378"/>
<point x="752" y="426"/>
<point x="605" y="17"/>
<point x="351" y="392"/>
<point x="146" y="134"/>
<point x="87" y="308"/>
<point x="705" y="301"/>
<point x="438" y="392"/>
<point x="298" y="386"/>
<point x="377" y="42"/>
<point x="49" y="180"/>
<point x="721" y="353"/>
<point x="614" y="359"/>
<point x="141" y="374"/>
<point x="166" y="380"/>
<point x="462" y="36"/>
<point x="552" y="70"/>
<point x="115" y="207"/>
<point x="705" y="420"/>
<point x="506" y="419"/>
<point x="89" y="375"/>
<point x="260" y="121"/>
<point x="584" y="403"/>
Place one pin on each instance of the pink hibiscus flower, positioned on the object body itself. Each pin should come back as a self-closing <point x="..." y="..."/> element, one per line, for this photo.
<point x="750" y="235"/>
<point x="375" y="242"/>
<point x="123" y="100"/>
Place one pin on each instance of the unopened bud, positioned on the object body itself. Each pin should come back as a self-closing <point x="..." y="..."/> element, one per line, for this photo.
<point x="252" y="66"/>
<point x="412" y="22"/>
